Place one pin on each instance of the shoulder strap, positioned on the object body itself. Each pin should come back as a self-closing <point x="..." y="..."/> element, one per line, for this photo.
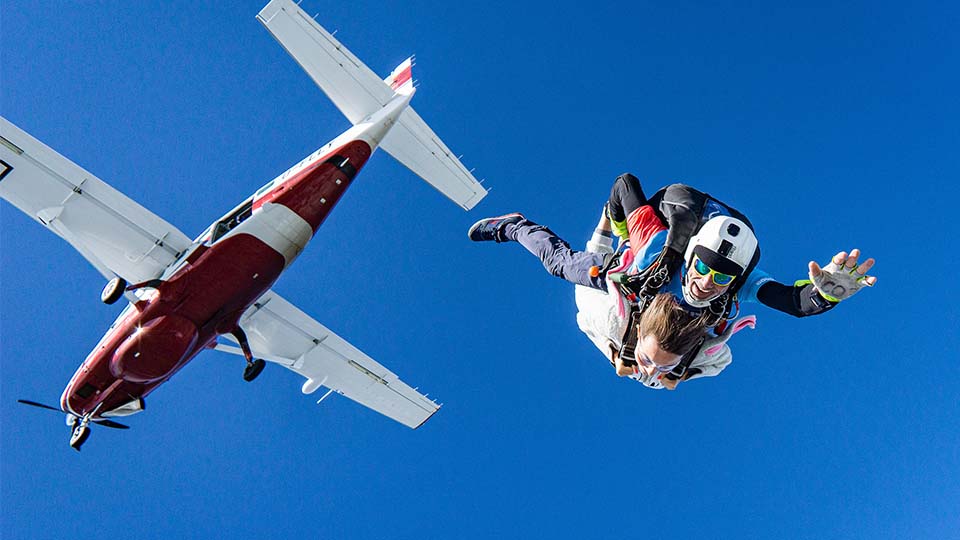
<point x="628" y="343"/>
<point x="681" y="369"/>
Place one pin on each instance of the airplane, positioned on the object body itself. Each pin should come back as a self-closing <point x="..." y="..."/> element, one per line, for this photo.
<point x="184" y="296"/>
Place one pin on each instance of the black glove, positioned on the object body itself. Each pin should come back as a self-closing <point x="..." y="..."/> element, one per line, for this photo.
<point x="670" y="259"/>
<point x="668" y="263"/>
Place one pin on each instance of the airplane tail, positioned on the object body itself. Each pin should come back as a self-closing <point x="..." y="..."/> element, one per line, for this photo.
<point x="401" y="78"/>
<point x="358" y="92"/>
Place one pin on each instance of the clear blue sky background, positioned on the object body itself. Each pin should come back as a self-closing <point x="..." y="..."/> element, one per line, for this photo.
<point x="832" y="125"/>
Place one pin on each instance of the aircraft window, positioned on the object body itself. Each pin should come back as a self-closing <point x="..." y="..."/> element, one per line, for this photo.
<point x="343" y="165"/>
<point x="264" y="189"/>
<point x="86" y="390"/>
<point x="227" y="224"/>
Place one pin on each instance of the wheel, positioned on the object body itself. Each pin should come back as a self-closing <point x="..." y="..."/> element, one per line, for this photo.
<point x="79" y="436"/>
<point x="113" y="290"/>
<point x="253" y="369"/>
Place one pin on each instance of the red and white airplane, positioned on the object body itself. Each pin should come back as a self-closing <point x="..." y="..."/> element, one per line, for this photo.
<point x="185" y="294"/>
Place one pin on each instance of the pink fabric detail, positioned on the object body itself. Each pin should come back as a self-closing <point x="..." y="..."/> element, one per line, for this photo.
<point x="749" y="320"/>
<point x="626" y="259"/>
<point x="739" y="324"/>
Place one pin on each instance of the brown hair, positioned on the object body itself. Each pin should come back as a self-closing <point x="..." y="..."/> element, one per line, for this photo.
<point x="675" y="330"/>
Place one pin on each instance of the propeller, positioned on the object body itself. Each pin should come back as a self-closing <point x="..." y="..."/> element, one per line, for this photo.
<point x="35" y="404"/>
<point x="100" y="421"/>
<point x="110" y="423"/>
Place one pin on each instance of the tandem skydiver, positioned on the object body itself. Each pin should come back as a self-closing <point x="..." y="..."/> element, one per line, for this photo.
<point x="679" y="242"/>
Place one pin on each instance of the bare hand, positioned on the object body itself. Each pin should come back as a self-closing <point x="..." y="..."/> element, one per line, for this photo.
<point x="668" y="383"/>
<point x="623" y="369"/>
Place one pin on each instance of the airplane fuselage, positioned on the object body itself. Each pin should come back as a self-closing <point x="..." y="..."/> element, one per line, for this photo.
<point x="204" y="293"/>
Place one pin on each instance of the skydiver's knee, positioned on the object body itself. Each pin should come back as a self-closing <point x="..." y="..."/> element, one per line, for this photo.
<point x="555" y="266"/>
<point x="626" y="195"/>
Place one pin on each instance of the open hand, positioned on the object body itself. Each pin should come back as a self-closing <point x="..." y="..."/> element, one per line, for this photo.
<point x="843" y="277"/>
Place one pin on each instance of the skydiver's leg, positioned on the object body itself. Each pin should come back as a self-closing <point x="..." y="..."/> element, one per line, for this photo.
<point x="631" y="213"/>
<point x="626" y="196"/>
<point x="555" y="253"/>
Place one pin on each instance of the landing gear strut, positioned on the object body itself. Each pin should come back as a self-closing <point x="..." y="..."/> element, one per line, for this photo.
<point x="81" y="431"/>
<point x="254" y="366"/>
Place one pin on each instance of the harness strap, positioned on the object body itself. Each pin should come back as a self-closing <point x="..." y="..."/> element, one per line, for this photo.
<point x="681" y="369"/>
<point x="639" y="290"/>
<point x="716" y="315"/>
<point x="628" y="347"/>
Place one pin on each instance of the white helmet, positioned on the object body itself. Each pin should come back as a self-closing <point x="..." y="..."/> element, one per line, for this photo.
<point x="726" y="244"/>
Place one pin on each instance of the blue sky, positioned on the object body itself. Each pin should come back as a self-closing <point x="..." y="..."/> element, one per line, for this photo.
<point x="831" y="125"/>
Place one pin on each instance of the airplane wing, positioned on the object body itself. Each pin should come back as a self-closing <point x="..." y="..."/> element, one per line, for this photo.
<point x="117" y="235"/>
<point x="279" y="332"/>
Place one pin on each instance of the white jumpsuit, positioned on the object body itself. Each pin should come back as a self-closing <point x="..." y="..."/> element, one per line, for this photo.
<point x="598" y="316"/>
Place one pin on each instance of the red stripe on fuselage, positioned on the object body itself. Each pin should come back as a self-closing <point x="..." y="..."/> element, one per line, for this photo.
<point x="313" y="192"/>
<point x="200" y="301"/>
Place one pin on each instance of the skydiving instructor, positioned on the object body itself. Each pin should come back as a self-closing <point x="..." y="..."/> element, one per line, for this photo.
<point x="710" y="252"/>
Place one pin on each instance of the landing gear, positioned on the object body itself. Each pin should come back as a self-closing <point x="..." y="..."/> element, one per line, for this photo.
<point x="81" y="431"/>
<point x="253" y="369"/>
<point x="113" y="290"/>
<point x="254" y="366"/>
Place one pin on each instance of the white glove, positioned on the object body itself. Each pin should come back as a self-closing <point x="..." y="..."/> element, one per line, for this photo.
<point x="843" y="277"/>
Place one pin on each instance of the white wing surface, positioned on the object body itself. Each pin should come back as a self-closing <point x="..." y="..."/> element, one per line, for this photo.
<point x="117" y="235"/>
<point x="353" y="87"/>
<point x="414" y="144"/>
<point x="281" y="333"/>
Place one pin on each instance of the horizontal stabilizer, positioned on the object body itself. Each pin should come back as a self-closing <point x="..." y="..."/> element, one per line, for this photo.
<point x="358" y="92"/>
<point x="417" y="147"/>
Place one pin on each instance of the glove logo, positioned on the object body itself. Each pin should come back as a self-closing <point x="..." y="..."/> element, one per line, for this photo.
<point x="834" y="289"/>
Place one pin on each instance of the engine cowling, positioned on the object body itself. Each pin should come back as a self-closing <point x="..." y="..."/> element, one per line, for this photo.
<point x="154" y="350"/>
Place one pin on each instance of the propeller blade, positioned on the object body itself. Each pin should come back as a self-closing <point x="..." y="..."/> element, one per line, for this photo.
<point x="101" y="421"/>
<point x="41" y="405"/>
<point x="110" y="424"/>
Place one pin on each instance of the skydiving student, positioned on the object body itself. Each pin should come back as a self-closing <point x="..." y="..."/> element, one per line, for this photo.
<point x="686" y="243"/>
<point x="663" y="334"/>
<point x="604" y="319"/>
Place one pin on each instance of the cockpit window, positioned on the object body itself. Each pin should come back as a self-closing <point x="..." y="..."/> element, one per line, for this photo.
<point x="231" y="220"/>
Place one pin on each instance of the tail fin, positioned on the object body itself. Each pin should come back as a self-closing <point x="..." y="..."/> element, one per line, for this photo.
<point x="401" y="78"/>
<point x="358" y="92"/>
